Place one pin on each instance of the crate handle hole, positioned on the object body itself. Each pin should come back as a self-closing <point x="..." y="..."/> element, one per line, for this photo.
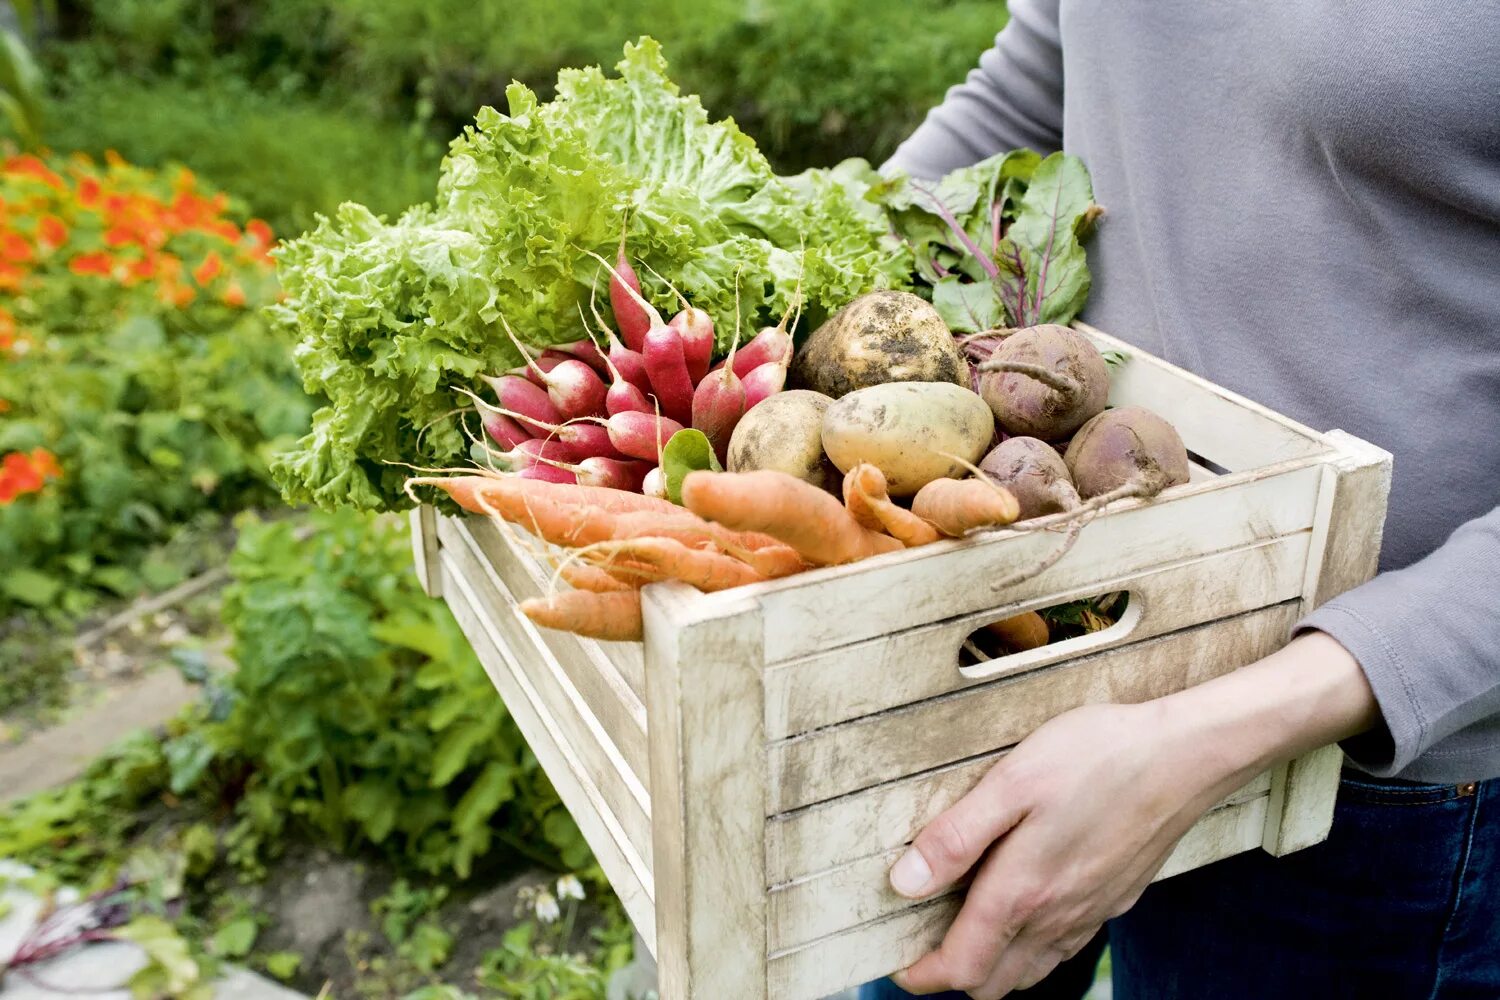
<point x="1006" y="645"/>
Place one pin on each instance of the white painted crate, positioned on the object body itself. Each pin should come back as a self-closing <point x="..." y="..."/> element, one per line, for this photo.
<point x="747" y="775"/>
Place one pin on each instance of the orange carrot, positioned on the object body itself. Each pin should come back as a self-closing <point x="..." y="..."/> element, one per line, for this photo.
<point x="593" y="578"/>
<point x="956" y="506"/>
<point x="870" y="504"/>
<point x="615" y="615"/>
<point x="664" y="559"/>
<point x="509" y="495"/>
<point x="1018" y="633"/>
<point x="783" y="506"/>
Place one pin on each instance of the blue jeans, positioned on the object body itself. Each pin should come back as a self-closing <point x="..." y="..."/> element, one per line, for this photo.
<point x="1401" y="901"/>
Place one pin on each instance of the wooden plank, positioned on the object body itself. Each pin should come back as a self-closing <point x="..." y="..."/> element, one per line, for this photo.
<point x="1346" y="550"/>
<point x="703" y="689"/>
<point x="424" y="549"/>
<point x="610" y="700"/>
<point x="841" y="759"/>
<point x="820" y="905"/>
<point x="894" y="941"/>
<point x="886" y="817"/>
<point x="629" y="873"/>
<point x="505" y="628"/>
<point x="822" y="609"/>
<point x="526" y="576"/>
<point x="1224" y="427"/>
<point x="879" y="674"/>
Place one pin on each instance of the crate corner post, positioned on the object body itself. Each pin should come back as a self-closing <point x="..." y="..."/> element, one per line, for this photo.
<point x="424" y="549"/>
<point x="708" y="793"/>
<point x="1344" y="554"/>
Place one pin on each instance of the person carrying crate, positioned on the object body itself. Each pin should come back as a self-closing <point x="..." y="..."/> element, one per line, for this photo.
<point x="1303" y="205"/>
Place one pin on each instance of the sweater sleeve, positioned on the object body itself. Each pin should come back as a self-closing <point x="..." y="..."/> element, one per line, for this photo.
<point x="1426" y="638"/>
<point x="1013" y="99"/>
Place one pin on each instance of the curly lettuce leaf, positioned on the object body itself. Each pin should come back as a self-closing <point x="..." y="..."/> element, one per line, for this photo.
<point x="392" y="316"/>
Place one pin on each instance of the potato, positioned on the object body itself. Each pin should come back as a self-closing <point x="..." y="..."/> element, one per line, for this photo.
<point x="908" y="430"/>
<point x="879" y="337"/>
<point x="784" y="432"/>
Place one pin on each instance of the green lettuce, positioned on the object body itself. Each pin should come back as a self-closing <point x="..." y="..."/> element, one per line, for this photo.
<point x="391" y="316"/>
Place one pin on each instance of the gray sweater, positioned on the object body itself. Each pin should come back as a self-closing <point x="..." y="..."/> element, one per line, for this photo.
<point x="1303" y="205"/>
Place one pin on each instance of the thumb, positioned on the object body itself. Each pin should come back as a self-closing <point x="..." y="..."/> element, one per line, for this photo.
<point x="955" y="841"/>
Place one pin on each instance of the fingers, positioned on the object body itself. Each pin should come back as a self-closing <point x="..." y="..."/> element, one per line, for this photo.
<point x="954" y="842"/>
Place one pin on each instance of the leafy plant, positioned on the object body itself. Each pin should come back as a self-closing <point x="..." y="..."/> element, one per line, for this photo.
<point x="20" y="80"/>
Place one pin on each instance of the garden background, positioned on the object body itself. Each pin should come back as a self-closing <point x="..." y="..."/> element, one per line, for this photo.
<point x="338" y="737"/>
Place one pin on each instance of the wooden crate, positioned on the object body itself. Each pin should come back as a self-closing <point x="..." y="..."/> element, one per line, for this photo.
<point x="747" y="775"/>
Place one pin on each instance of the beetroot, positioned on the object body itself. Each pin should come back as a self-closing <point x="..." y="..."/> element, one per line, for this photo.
<point x="1034" y="473"/>
<point x="1124" y="452"/>
<point x="1044" y="382"/>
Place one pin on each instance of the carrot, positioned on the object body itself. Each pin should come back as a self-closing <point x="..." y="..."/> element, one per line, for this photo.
<point x="867" y="501"/>
<point x="494" y="493"/>
<point x="1019" y="633"/>
<point x="665" y="559"/>
<point x="783" y="506"/>
<point x="614" y="615"/>
<point x="590" y="578"/>
<point x="956" y="506"/>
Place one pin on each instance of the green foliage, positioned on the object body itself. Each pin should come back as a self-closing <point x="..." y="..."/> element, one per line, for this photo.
<point x="37" y="661"/>
<point x="361" y="710"/>
<point x="20" y="89"/>
<point x="287" y="154"/>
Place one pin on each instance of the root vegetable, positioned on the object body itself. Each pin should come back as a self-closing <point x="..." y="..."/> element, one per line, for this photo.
<point x="718" y="405"/>
<point x="696" y="328"/>
<point x="640" y="435"/>
<point x="613" y="616"/>
<point x="913" y="432"/>
<point x="530" y="404"/>
<point x="655" y="484"/>
<point x="632" y="314"/>
<point x="1126" y="452"/>
<point x="958" y="506"/>
<point x="651" y="559"/>
<point x="803" y="516"/>
<point x="784" y="433"/>
<point x="879" y="337"/>
<point x="1019" y="633"/>
<point x="867" y="500"/>
<point x="1045" y="382"/>
<point x="502" y="429"/>
<point x="1034" y="473"/>
<point x="773" y="344"/>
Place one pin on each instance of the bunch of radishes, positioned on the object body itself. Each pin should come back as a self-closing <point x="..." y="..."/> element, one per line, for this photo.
<point x="576" y="414"/>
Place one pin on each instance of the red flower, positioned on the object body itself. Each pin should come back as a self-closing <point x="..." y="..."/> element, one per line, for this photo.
<point x="209" y="269"/>
<point x="260" y="231"/>
<point x="17" y="476"/>
<point x="31" y="167"/>
<point x="234" y="295"/>
<point x="51" y="231"/>
<point x="10" y="277"/>
<point x="89" y="192"/>
<point x="98" y="262"/>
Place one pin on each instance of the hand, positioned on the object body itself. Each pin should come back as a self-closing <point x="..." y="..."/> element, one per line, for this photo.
<point x="1085" y="812"/>
<point x="1069" y="828"/>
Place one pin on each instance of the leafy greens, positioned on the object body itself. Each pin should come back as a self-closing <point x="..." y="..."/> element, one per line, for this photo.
<point x="390" y="316"/>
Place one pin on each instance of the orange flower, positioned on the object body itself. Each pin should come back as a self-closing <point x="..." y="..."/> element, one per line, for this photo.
<point x="97" y="262"/>
<point x="113" y="158"/>
<point x="10" y="277"/>
<point x="89" y="191"/>
<point x="17" y="476"/>
<point x="209" y="269"/>
<point x="260" y="231"/>
<point x="14" y="248"/>
<point x="234" y="295"/>
<point x="119" y="236"/>
<point x="31" y="167"/>
<point x="4" y="405"/>
<point x="45" y="464"/>
<point x="51" y="231"/>
<point x="224" y="230"/>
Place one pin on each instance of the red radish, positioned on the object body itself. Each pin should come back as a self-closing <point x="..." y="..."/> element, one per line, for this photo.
<point x="719" y="401"/>
<point x="548" y="474"/>
<point x="583" y="437"/>
<point x="502" y="429"/>
<point x="612" y="473"/>
<point x="533" y="450"/>
<point x="624" y="363"/>
<point x="529" y="403"/>
<point x="773" y="344"/>
<point x="655" y="484"/>
<point x="697" y="329"/>
<point x="765" y="380"/>
<point x="536" y="373"/>
<point x="640" y="435"/>
<point x="587" y="351"/>
<point x="623" y="396"/>
<point x="574" y="388"/>
<point x="666" y="363"/>
<point x="626" y="300"/>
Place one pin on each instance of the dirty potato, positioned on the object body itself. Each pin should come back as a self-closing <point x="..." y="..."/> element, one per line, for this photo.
<point x="877" y="338"/>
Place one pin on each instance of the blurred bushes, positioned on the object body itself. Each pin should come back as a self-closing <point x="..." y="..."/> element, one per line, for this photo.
<point x="299" y="104"/>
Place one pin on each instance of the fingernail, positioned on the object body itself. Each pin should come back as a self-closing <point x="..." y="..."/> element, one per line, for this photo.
<point x="910" y="875"/>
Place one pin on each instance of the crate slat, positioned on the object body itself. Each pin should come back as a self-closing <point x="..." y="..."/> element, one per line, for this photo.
<point x="525" y="576"/>
<point x="505" y="628"/>
<point x="845" y="758"/>
<point x="1224" y="427"/>
<point x="823" y="609"/>
<point x="800" y="912"/>
<point x="610" y="700"/>
<point x="888" y="672"/>
<point x="629" y="872"/>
